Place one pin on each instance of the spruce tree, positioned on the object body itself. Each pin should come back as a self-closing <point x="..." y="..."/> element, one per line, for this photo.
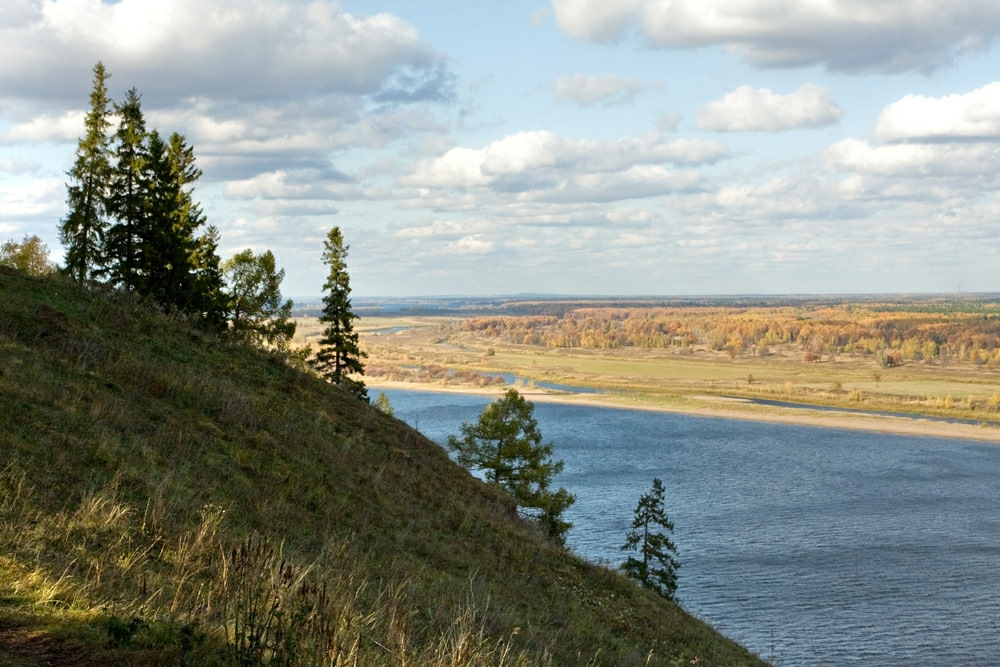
<point x="188" y="216"/>
<point x="145" y="194"/>
<point x="211" y="302"/>
<point x="174" y="262"/>
<point x="128" y="200"/>
<point x="82" y="231"/>
<point x="656" y="566"/>
<point x="164" y="261"/>
<point x="339" y="354"/>
<point x="202" y="278"/>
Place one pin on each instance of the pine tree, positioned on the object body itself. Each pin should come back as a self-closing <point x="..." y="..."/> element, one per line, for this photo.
<point x="506" y="445"/>
<point x="339" y="354"/>
<point x="656" y="567"/>
<point x="82" y="231"/>
<point x="128" y="200"/>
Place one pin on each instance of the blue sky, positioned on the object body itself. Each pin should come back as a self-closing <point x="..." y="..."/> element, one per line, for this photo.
<point x="562" y="146"/>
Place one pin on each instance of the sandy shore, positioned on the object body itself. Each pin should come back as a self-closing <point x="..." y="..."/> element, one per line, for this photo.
<point x="722" y="408"/>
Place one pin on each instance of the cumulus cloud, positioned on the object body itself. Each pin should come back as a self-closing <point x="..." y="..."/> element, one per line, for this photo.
<point x="939" y="150"/>
<point x="960" y="161"/>
<point x="841" y="35"/>
<point x="550" y="180"/>
<point x="65" y="127"/>
<point x="597" y="21"/>
<point x="528" y="160"/>
<point x="915" y="118"/>
<point x="749" y="109"/>
<point x="255" y="85"/>
<point x="239" y="49"/>
<point x="304" y="185"/>
<point x="18" y="167"/>
<point x="588" y="91"/>
<point x="40" y="200"/>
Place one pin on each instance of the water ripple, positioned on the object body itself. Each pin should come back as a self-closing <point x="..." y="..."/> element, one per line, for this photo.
<point x="814" y="546"/>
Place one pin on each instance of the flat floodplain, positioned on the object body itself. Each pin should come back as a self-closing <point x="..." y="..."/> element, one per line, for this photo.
<point x="941" y="364"/>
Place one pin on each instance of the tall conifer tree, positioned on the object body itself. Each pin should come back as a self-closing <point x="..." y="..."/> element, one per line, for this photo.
<point x="164" y="257"/>
<point x="202" y="278"/>
<point x="82" y="231"/>
<point x="656" y="566"/>
<point x="128" y="199"/>
<point x="339" y="354"/>
<point x="212" y="302"/>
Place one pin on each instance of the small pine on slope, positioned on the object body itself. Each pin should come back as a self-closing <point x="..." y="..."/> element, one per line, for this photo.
<point x="168" y="497"/>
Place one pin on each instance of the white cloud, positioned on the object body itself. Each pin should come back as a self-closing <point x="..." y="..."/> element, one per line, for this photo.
<point x="588" y="91"/>
<point x="597" y="21"/>
<point x="294" y="207"/>
<point x="539" y="159"/>
<point x="239" y="49"/>
<point x="444" y="229"/>
<point x="18" y="167"/>
<point x="639" y="182"/>
<point x="282" y="185"/>
<point x="844" y="35"/>
<point x="550" y="180"/>
<point x="633" y="240"/>
<point x="974" y="115"/>
<point x="749" y="109"/>
<point x="66" y="127"/>
<point x="41" y="199"/>
<point x="255" y="85"/>
<point x="965" y="163"/>
<point x="470" y="245"/>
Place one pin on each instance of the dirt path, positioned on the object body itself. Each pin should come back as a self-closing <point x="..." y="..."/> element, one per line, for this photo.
<point x="22" y="646"/>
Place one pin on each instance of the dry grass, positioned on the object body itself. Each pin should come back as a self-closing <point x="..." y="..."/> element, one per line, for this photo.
<point x="167" y="497"/>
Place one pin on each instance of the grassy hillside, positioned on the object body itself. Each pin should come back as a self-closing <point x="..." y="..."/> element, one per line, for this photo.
<point x="167" y="497"/>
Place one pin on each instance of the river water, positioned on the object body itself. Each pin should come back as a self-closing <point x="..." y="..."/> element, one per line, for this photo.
<point x="810" y="546"/>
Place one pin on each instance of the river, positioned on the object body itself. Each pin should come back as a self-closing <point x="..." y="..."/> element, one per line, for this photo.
<point x="810" y="546"/>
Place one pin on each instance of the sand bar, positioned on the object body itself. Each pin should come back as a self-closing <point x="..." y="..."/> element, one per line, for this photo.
<point x="723" y="408"/>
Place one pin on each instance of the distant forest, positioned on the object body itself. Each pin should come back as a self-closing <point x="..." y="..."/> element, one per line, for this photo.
<point x="931" y="330"/>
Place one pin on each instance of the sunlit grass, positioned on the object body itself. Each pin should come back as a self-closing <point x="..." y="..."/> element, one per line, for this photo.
<point x="156" y="483"/>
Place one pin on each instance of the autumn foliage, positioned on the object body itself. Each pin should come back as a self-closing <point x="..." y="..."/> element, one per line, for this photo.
<point x="894" y="335"/>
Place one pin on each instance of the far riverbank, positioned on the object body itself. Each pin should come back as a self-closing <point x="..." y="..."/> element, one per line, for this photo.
<point x="724" y="408"/>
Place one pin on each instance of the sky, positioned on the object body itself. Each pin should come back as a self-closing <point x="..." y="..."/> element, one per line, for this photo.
<point x="575" y="147"/>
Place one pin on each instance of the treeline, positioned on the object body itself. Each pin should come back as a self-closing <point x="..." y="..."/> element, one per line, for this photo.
<point x="133" y="224"/>
<point x="891" y="338"/>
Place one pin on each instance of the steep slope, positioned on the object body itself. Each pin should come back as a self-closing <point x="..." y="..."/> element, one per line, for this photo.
<point x="168" y="497"/>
